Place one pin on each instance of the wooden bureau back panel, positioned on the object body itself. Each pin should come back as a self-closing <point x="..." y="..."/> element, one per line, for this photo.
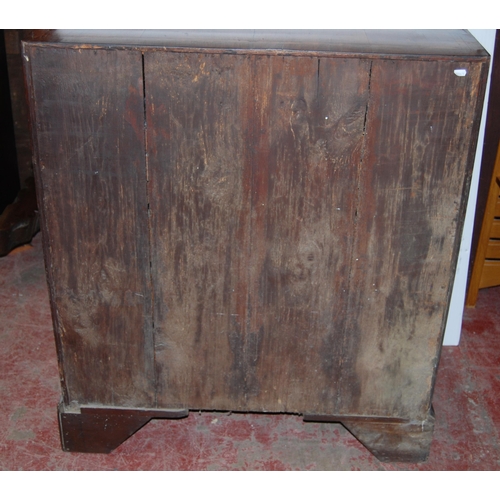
<point x="245" y="231"/>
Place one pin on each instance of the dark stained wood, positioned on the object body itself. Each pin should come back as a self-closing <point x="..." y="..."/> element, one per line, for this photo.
<point x="9" y="178"/>
<point x="88" y="111"/>
<point x="102" y="429"/>
<point x="20" y="112"/>
<point x="255" y="221"/>
<point x="370" y="43"/>
<point x="19" y="222"/>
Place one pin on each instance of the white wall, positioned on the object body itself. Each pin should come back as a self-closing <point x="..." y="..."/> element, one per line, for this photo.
<point x="454" y="324"/>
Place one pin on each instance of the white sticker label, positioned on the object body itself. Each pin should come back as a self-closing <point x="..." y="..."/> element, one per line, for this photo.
<point x="460" y="72"/>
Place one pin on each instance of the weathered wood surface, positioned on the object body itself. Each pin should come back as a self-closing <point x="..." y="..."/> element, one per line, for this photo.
<point x="297" y="267"/>
<point x="395" y="441"/>
<point x="252" y="231"/>
<point x="413" y="188"/>
<point x="252" y="203"/>
<point x="89" y="115"/>
<point x="390" y="439"/>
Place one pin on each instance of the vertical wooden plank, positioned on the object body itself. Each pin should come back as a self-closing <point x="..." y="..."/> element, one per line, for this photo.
<point x="309" y="137"/>
<point x="253" y="158"/>
<point x="200" y="205"/>
<point x="408" y="226"/>
<point x="89" y="112"/>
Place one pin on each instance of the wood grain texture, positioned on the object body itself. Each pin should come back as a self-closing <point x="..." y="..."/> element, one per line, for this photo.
<point x="397" y="441"/>
<point x="200" y="206"/>
<point x="252" y="198"/>
<point x="491" y="274"/>
<point x="88" y="110"/>
<point x="306" y="175"/>
<point x="495" y="229"/>
<point x="415" y="172"/>
<point x="251" y="225"/>
<point x="493" y="249"/>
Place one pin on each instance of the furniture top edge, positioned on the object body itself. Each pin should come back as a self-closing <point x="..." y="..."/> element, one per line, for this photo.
<point x="397" y="43"/>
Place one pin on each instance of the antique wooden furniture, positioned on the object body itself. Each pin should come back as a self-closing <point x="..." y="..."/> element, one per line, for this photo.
<point x="261" y="221"/>
<point x="486" y="269"/>
<point x="489" y="157"/>
<point x="18" y="207"/>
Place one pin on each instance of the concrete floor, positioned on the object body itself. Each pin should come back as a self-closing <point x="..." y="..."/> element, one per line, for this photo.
<point x="466" y="403"/>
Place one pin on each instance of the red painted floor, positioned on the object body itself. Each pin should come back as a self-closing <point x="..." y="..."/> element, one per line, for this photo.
<point x="466" y="403"/>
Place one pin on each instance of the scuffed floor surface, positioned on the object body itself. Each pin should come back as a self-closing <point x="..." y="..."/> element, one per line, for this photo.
<point x="466" y="403"/>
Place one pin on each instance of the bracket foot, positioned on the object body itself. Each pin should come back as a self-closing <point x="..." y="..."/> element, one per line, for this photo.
<point x="102" y="429"/>
<point x="390" y="440"/>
